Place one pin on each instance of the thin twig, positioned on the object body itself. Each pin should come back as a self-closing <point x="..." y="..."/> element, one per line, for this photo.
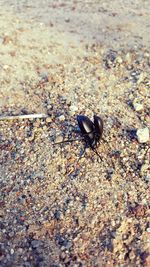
<point x="27" y="116"/>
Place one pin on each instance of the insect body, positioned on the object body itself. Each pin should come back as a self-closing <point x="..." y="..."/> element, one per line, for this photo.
<point x="91" y="131"/>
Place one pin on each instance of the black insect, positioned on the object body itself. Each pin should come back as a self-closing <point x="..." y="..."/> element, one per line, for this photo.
<point x="91" y="132"/>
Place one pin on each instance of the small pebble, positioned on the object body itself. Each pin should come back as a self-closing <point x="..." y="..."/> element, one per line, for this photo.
<point x="137" y="106"/>
<point x="59" y="138"/>
<point x="147" y="178"/>
<point x="119" y="60"/>
<point x="73" y="109"/>
<point x="1" y="40"/>
<point x="61" y="118"/>
<point x="49" y="106"/>
<point x="141" y="78"/>
<point x="12" y="251"/>
<point x="5" y="67"/>
<point x="128" y="58"/>
<point x="49" y="119"/>
<point x="144" y="168"/>
<point x="36" y="243"/>
<point x="143" y="135"/>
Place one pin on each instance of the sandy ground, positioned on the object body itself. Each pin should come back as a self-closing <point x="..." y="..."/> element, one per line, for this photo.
<point x="64" y="58"/>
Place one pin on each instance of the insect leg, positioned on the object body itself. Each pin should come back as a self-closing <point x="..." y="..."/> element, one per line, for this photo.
<point x="82" y="153"/>
<point x="72" y="140"/>
<point x="95" y="151"/>
<point x="74" y="170"/>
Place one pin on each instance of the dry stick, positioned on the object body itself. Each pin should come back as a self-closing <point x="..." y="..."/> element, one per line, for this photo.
<point x="27" y="116"/>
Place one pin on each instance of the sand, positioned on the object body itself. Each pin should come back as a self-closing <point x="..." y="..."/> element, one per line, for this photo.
<point x="64" y="58"/>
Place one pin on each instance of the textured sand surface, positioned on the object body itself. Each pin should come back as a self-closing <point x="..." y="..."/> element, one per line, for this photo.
<point x="64" y="58"/>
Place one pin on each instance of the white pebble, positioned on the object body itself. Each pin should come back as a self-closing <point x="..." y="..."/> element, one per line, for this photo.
<point x="138" y="106"/>
<point x="119" y="59"/>
<point x="143" y="135"/>
<point x="73" y="109"/>
<point x="12" y="251"/>
<point x="62" y="118"/>
<point x="128" y="58"/>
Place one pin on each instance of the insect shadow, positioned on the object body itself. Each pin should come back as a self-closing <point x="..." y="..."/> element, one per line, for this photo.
<point x="91" y="132"/>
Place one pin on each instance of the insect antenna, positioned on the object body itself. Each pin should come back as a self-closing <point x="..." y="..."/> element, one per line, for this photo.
<point x="67" y="141"/>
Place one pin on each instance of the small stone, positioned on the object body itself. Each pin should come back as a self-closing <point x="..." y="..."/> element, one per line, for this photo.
<point x="144" y="168"/>
<point x="67" y="20"/>
<point x="5" y="67"/>
<point x="119" y="60"/>
<point x="59" y="138"/>
<point x="12" y="251"/>
<point x="49" y="106"/>
<point x="57" y="214"/>
<point x="73" y="109"/>
<point x="139" y="210"/>
<point x="143" y="135"/>
<point x="147" y="178"/>
<point x="36" y="243"/>
<point x="44" y="77"/>
<point x="61" y="118"/>
<point x="44" y="128"/>
<point x="146" y="54"/>
<point x="113" y="223"/>
<point x="128" y="58"/>
<point x="1" y="40"/>
<point x="20" y="250"/>
<point x="11" y="234"/>
<point x="137" y="106"/>
<point x="49" y="119"/>
<point x="7" y="39"/>
<point x="141" y="78"/>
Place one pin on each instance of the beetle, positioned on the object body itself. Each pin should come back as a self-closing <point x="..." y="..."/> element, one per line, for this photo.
<point x="91" y="132"/>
